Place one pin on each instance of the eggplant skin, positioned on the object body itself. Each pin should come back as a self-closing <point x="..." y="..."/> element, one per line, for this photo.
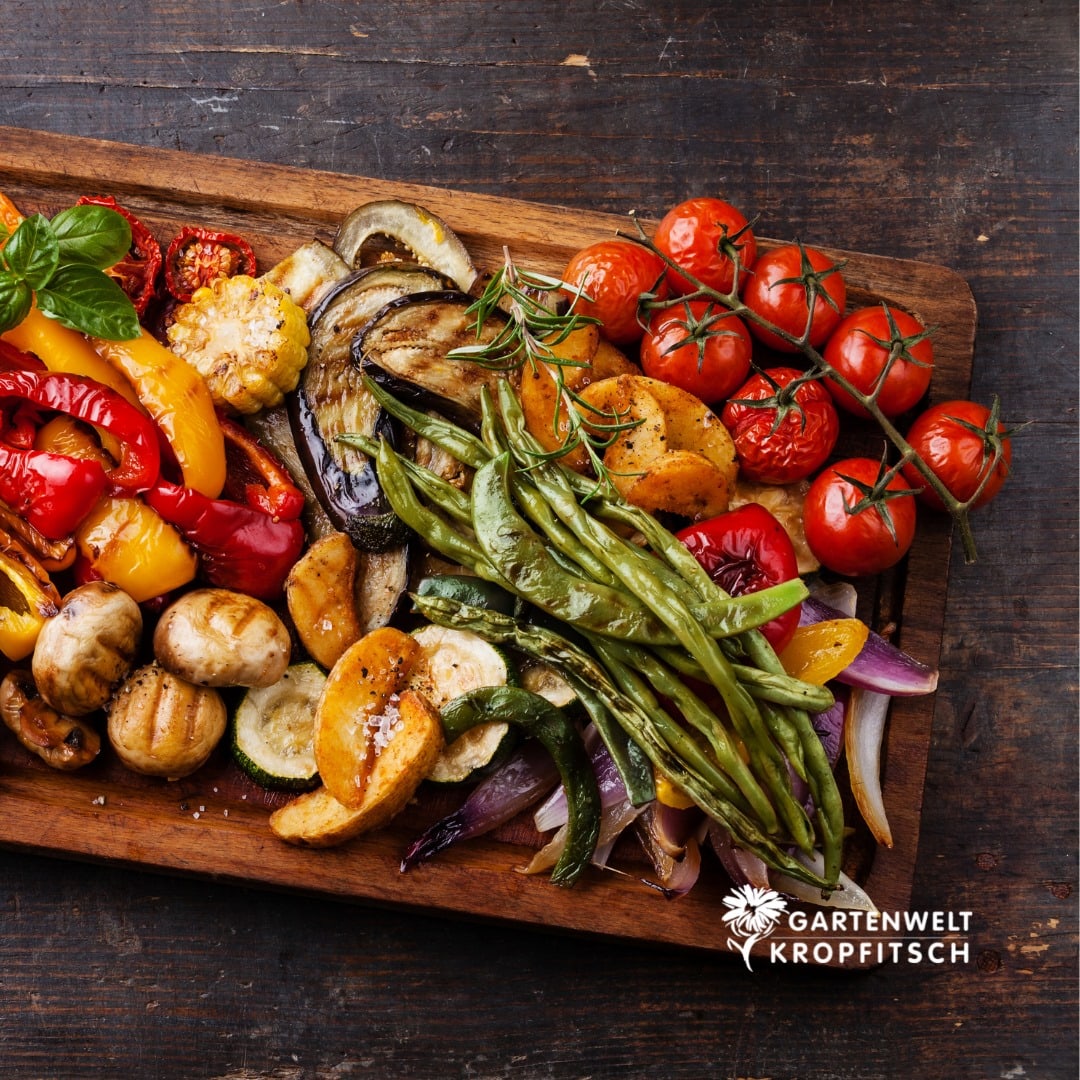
<point x="404" y="349"/>
<point x="352" y="498"/>
<point x="331" y="400"/>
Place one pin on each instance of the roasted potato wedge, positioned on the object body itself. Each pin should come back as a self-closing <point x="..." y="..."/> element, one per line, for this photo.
<point x="540" y="404"/>
<point x="353" y="708"/>
<point x="413" y="743"/>
<point x="320" y="594"/>
<point x="692" y="425"/>
<point x="682" y="482"/>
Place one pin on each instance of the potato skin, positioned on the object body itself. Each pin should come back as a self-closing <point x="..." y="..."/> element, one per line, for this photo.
<point x="217" y="637"/>
<point x="162" y="725"/>
<point x="86" y="650"/>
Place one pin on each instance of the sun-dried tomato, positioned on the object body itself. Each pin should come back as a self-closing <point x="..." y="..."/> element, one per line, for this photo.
<point x="137" y="272"/>
<point x="198" y="256"/>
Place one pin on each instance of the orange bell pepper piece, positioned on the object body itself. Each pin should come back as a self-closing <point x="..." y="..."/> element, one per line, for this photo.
<point x="178" y="399"/>
<point x="819" y="651"/>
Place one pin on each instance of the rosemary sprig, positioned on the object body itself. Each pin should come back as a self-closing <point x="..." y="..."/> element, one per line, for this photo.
<point x="534" y="327"/>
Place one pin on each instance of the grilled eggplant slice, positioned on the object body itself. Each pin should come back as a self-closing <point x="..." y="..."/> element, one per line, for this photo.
<point x="331" y="400"/>
<point x="427" y="237"/>
<point x="404" y="348"/>
<point x="382" y="582"/>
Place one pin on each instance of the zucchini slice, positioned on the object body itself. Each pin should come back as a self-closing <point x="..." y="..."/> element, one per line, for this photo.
<point x="273" y="729"/>
<point x="452" y="663"/>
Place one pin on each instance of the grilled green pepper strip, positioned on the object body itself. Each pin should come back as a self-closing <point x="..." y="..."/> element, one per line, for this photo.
<point x="540" y="719"/>
<point x="669" y="752"/>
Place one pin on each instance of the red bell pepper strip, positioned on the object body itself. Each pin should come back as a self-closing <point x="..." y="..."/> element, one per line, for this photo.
<point x="239" y="546"/>
<point x="52" y="492"/>
<point x="255" y="476"/>
<point x="13" y="359"/>
<point x="198" y="256"/>
<point x="744" y="550"/>
<point x="137" y="272"/>
<point x="84" y="399"/>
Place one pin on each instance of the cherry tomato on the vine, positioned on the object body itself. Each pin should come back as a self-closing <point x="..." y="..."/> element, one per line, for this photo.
<point x="784" y="429"/>
<point x="743" y="551"/>
<point x="961" y="441"/>
<point x="137" y="272"/>
<point x="613" y="274"/>
<point x="698" y="346"/>
<point x="701" y="235"/>
<point x="779" y="287"/>
<point x="880" y="345"/>
<point x="850" y="533"/>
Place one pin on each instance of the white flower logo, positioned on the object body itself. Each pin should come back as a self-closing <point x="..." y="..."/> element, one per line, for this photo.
<point x="752" y="914"/>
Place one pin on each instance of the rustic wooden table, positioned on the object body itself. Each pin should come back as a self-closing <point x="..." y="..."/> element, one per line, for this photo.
<point x="939" y="131"/>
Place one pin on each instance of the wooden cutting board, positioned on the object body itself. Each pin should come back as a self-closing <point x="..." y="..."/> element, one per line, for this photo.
<point x="214" y="824"/>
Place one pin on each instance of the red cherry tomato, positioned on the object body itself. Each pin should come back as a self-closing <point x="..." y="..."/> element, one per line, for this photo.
<point x="137" y="272"/>
<point x="612" y="275"/>
<point x="197" y="256"/>
<point x="784" y="430"/>
<point x="701" y="235"/>
<point x="779" y="288"/>
<point x="962" y="442"/>
<point x="746" y="550"/>
<point x="847" y="533"/>
<point x="698" y="346"/>
<point x="880" y="345"/>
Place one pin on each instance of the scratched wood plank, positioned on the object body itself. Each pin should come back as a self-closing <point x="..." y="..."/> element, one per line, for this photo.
<point x="214" y="824"/>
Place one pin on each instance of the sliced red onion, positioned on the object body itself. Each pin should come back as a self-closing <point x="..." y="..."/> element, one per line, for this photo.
<point x="847" y="895"/>
<point x="880" y="666"/>
<point x="552" y="813"/>
<point x="742" y="867"/>
<point x="837" y="594"/>
<point x="614" y="819"/>
<point x="865" y="730"/>
<point x="665" y="831"/>
<point x="527" y="776"/>
<point x="829" y="725"/>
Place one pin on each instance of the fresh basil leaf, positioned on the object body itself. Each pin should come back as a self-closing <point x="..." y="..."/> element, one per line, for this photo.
<point x="15" y="300"/>
<point x="32" y="252"/>
<point x="91" y="234"/>
<point x="84" y="298"/>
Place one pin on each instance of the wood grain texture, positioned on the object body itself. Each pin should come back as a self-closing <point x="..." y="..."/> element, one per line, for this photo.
<point x="942" y="132"/>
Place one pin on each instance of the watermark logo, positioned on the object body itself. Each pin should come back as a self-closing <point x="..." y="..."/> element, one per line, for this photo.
<point x="841" y="935"/>
<point x="753" y="914"/>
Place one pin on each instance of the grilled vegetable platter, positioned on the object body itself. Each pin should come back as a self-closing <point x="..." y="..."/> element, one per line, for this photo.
<point x="436" y="550"/>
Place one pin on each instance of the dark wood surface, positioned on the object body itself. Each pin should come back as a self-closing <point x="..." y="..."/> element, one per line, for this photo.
<point x="942" y="132"/>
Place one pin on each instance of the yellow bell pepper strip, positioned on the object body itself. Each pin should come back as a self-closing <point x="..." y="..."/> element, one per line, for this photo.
<point x="28" y="599"/>
<point x="125" y="542"/>
<point x="62" y="349"/>
<point x="819" y="651"/>
<point x="177" y="398"/>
